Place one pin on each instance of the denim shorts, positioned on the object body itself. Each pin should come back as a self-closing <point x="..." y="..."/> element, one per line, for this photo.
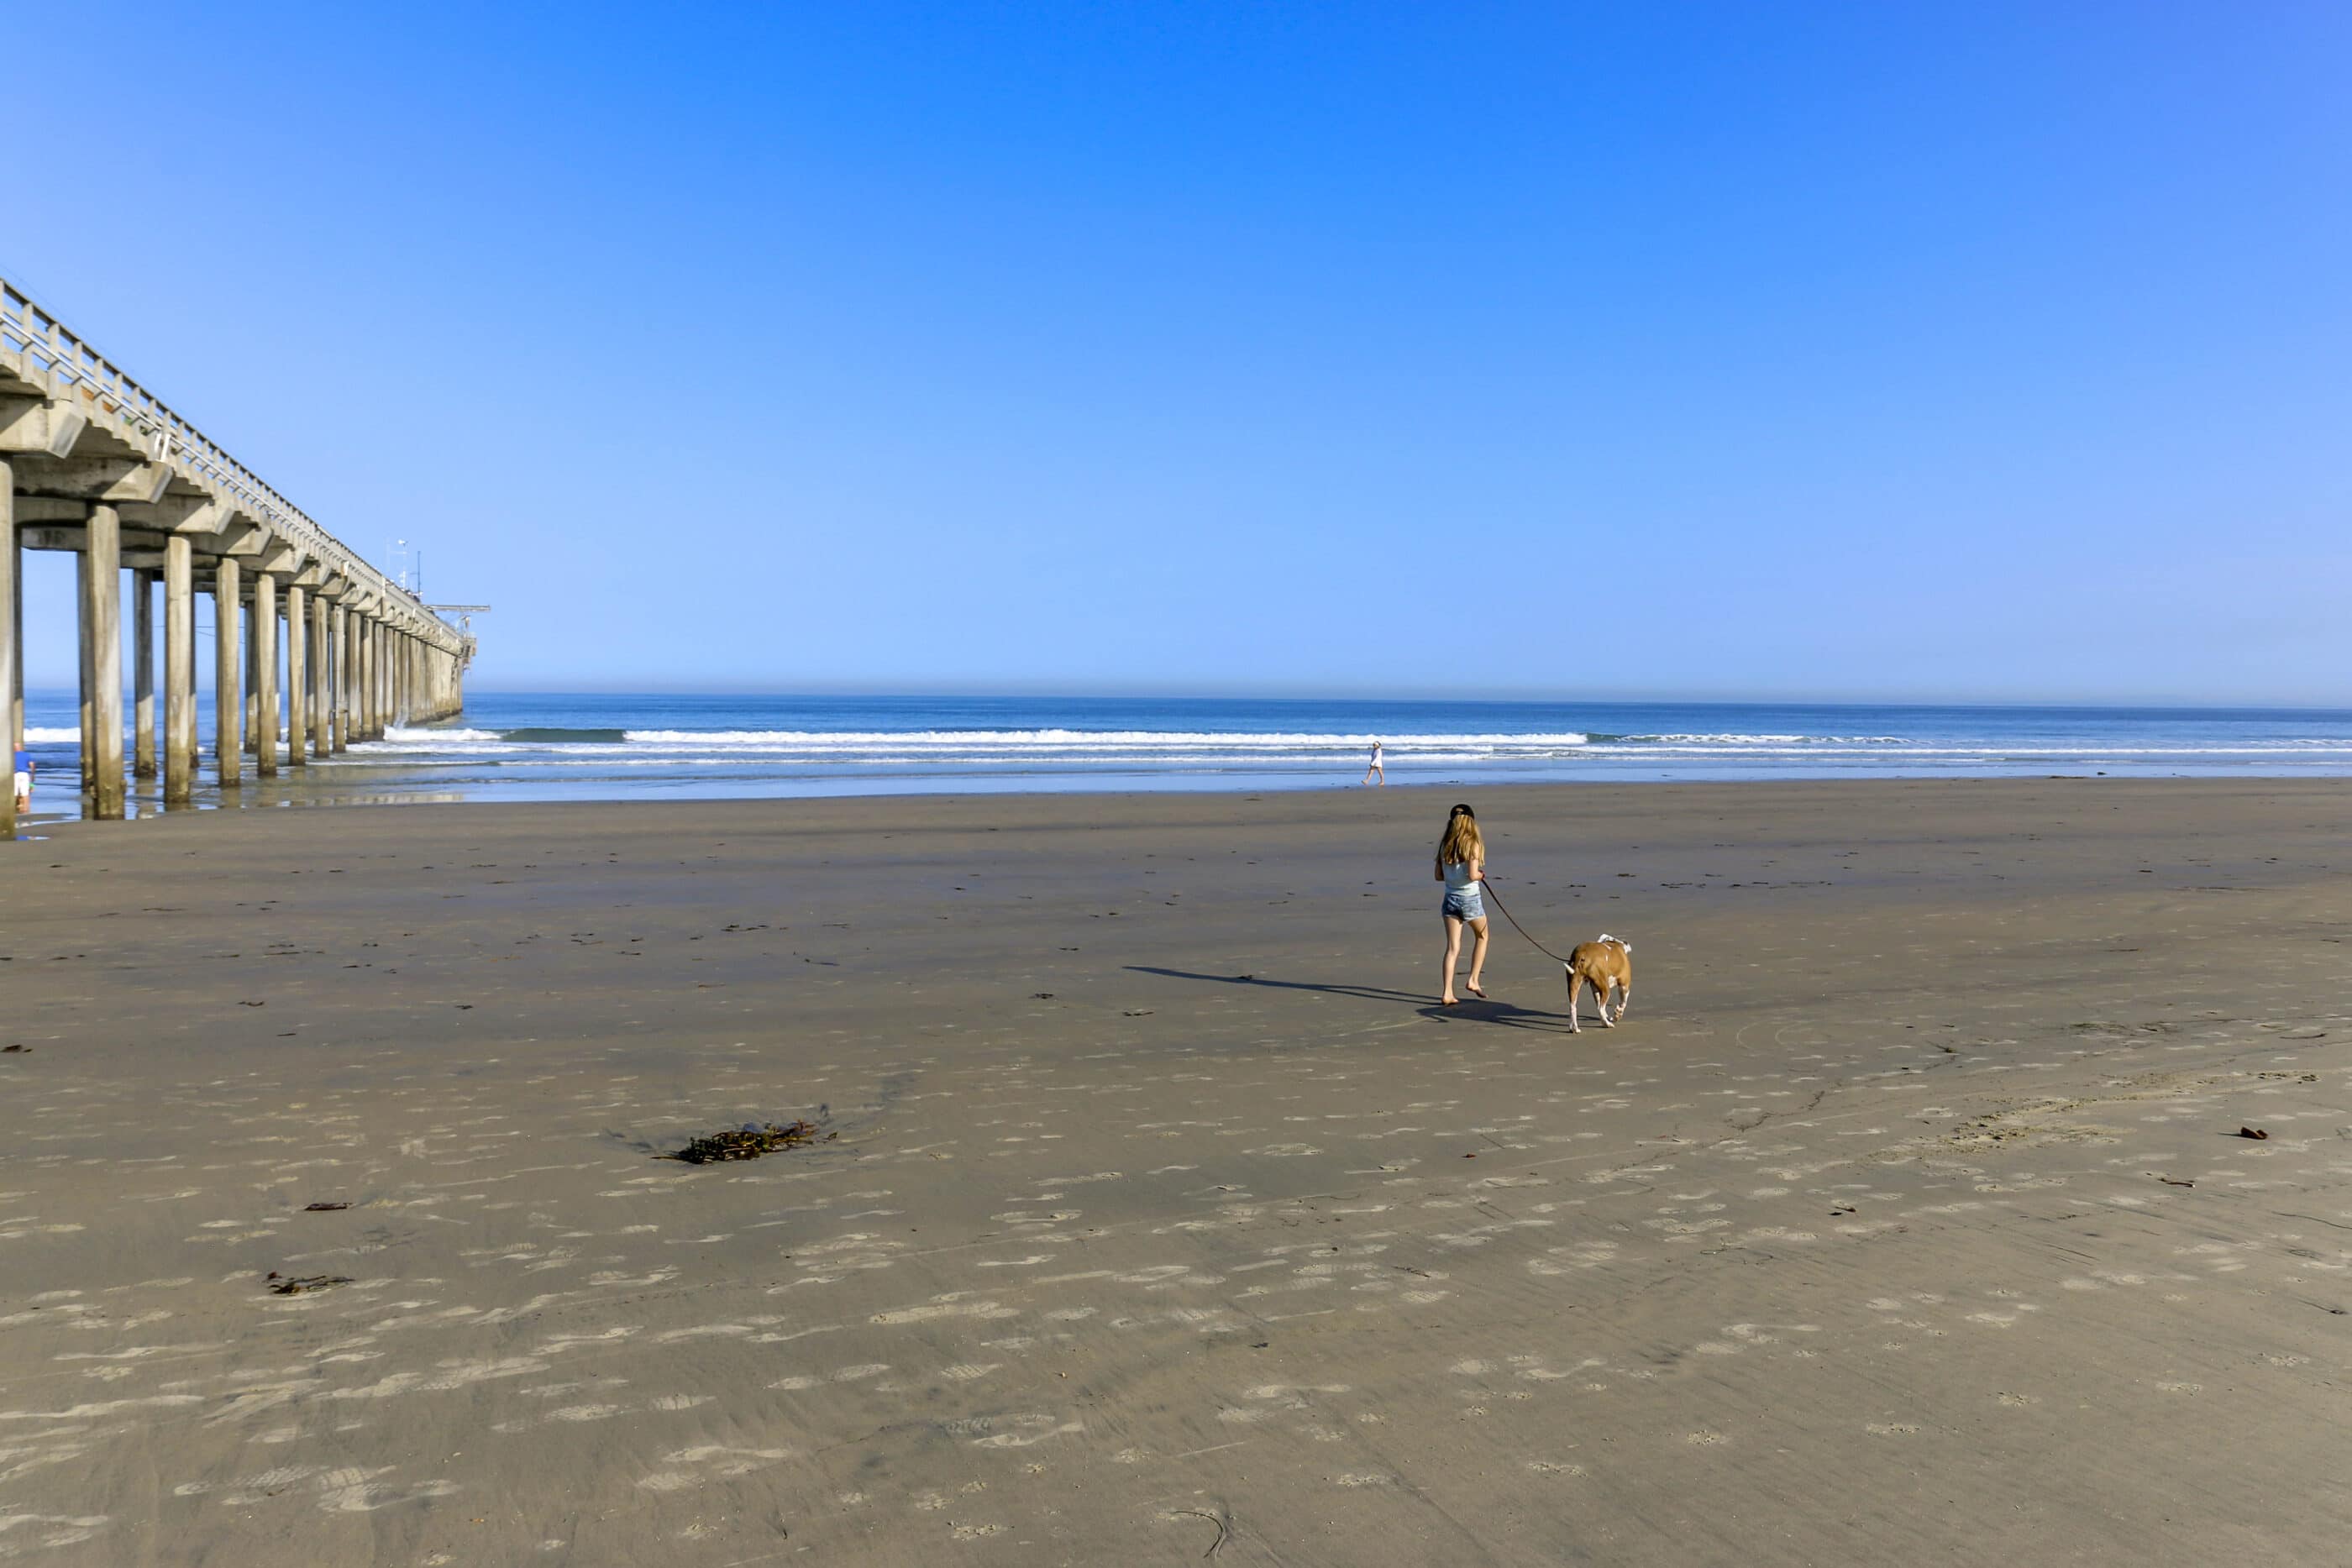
<point x="1466" y="905"/>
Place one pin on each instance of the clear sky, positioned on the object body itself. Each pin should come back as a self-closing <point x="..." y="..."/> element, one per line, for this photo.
<point x="1861" y="350"/>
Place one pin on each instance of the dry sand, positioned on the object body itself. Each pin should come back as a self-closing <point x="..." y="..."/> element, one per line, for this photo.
<point x="1167" y="1219"/>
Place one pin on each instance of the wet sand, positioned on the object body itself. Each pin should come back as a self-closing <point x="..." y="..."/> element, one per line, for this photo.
<point x="1167" y="1219"/>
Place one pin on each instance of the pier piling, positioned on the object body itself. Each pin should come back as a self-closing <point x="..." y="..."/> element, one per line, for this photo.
<point x="228" y="671"/>
<point x="103" y="613"/>
<point x="142" y="674"/>
<point x="179" y="671"/>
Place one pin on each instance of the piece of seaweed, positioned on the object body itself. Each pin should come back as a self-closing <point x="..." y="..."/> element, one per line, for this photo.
<point x="748" y="1142"/>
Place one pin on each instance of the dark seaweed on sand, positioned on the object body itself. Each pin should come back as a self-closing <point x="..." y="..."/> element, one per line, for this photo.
<point x="748" y="1142"/>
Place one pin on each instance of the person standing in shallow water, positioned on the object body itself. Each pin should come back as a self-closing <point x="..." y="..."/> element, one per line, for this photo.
<point x="1461" y="866"/>
<point x="1376" y="771"/>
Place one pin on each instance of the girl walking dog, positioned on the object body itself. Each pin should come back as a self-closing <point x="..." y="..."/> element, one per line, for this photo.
<point x="1460" y="864"/>
<point x="1603" y="964"/>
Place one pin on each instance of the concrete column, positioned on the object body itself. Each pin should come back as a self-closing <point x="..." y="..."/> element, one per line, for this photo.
<point x="228" y="670"/>
<point x="104" y="550"/>
<point x="11" y="618"/>
<point x="86" y="642"/>
<point x="371" y="638"/>
<point x="354" y="724"/>
<point x="338" y="686"/>
<point x="264" y="650"/>
<point x="252" y="641"/>
<point x="179" y="670"/>
<point x="142" y="674"/>
<point x="297" y="674"/>
<point x="323" y="680"/>
<point x="17" y="619"/>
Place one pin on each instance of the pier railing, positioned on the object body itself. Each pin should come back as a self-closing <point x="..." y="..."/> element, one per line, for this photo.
<point x="76" y="370"/>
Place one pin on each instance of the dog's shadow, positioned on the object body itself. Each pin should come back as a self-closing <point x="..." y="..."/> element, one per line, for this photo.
<point x="1470" y="1009"/>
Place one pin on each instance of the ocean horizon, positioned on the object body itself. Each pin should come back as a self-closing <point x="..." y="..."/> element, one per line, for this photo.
<point x="604" y="746"/>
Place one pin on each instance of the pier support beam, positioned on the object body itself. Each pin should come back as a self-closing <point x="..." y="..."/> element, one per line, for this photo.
<point x="370" y="694"/>
<point x="12" y="617"/>
<point x="298" y="670"/>
<point x="252" y="641"/>
<point x="342" y="687"/>
<point x="265" y="674"/>
<point x="142" y="674"/>
<point x="228" y="671"/>
<point x="179" y="670"/>
<point x="322" y="679"/>
<point x="86" y="641"/>
<point x="16" y="687"/>
<point x="103" y="614"/>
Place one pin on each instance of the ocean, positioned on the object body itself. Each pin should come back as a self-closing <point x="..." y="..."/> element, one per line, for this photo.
<point x="518" y="746"/>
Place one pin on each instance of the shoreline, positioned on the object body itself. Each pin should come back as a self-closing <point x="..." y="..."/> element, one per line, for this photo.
<point x="590" y="747"/>
<point x="1165" y="1206"/>
<point x="342" y="785"/>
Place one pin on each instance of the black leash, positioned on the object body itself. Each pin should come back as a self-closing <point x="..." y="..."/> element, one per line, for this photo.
<point x="1516" y="926"/>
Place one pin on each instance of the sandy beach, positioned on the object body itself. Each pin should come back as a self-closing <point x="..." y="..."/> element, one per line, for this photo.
<point x="1166" y="1218"/>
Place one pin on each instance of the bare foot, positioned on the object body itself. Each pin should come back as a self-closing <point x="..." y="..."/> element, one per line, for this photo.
<point x="1473" y="988"/>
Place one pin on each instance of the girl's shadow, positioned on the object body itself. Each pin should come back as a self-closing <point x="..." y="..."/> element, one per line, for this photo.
<point x="1470" y="1010"/>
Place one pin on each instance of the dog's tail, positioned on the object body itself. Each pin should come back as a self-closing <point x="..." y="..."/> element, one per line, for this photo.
<point x="1619" y="940"/>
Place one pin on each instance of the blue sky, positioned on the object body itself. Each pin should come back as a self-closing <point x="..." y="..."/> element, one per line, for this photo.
<point x="1848" y="351"/>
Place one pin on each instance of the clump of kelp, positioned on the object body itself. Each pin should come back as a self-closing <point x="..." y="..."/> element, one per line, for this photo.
<point x="748" y="1142"/>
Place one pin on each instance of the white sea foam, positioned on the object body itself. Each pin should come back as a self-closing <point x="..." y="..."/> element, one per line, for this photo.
<point x="40" y="735"/>
<point x="1101" y="739"/>
<point x="398" y="736"/>
<point x="1765" y="739"/>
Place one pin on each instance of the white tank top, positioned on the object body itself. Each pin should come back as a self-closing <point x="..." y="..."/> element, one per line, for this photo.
<point x="1458" y="878"/>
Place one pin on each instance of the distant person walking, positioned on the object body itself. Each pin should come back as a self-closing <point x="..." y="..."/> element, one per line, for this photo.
<point x="1376" y="771"/>
<point x="24" y="780"/>
<point x="1460" y="865"/>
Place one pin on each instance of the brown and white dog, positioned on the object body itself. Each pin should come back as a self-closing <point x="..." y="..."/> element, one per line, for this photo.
<point x="1605" y="963"/>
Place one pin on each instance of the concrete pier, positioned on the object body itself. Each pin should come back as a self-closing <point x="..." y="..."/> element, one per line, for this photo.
<point x="103" y="614"/>
<point x="83" y="649"/>
<point x="94" y="464"/>
<point x="323" y="679"/>
<point x="179" y="671"/>
<point x="142" y="674"/>
<point x="370" y="706"/>
<point x="12" y="612"/>
<point x="252" y="686"/>
<point x="228" y="676"/>
<point x="15" y="609"/>
<point x="342" y="716"/>
<point x="265" y="673"/>
<point x="298" y="675"/>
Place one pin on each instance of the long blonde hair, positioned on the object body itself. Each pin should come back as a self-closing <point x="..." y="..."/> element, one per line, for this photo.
<point x="1461" y="845"/>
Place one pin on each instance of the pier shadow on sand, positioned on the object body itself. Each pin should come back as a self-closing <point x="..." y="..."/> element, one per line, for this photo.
<point x="1508" y="1015"/>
